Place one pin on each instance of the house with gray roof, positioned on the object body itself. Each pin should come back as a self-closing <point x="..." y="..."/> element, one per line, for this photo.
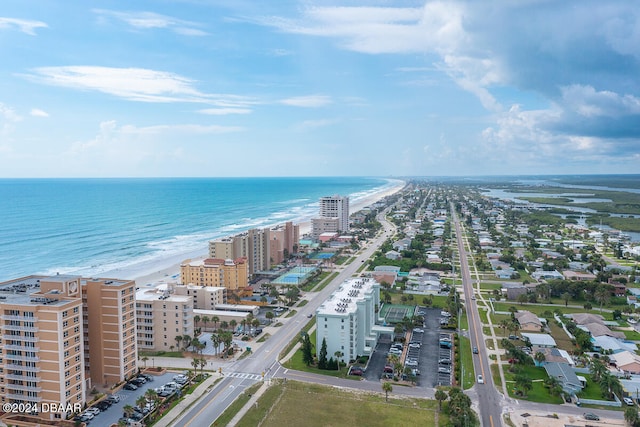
<point x="566" y="376"/>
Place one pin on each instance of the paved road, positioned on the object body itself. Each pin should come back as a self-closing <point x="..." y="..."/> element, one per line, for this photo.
<point x="490" y="402"/>
<point x="265" y="358"/>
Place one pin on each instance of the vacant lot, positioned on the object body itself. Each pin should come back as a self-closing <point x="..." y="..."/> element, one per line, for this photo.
<point x="297" y="403"/>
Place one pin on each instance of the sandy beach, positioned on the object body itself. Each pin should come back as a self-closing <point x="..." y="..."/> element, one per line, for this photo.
<point x="167" y="270"/>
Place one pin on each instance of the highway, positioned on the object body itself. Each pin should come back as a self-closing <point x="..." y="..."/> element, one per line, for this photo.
<point x="265" y="358"/>
<point x="490" y="402"/>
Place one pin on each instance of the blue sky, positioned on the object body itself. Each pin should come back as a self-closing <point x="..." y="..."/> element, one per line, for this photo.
<point x="298" y="88"/>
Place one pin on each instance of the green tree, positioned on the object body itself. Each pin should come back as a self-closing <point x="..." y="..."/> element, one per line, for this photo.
<point x="307" y="350"/>
<point x="597" y="369"/>
<point x="566" y="297"/>
<point x="338" y="355"/>
<point x="523" y="384"/>
<point x="539" y="357"/>
<point x="631" y="416"/>
<point x="387" y="388"/>
<point x="322" y="356"/>
<point x="269" y="316"/>
<point x="602" y="295"/>
<point x="440" y="397"/>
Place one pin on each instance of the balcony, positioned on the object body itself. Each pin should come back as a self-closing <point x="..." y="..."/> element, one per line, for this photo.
<point x="18" y="318"/>
<point x="23" y="387"/>
<point x="22" y="378"/>
<point x="19" y="328"/>
<point x="15" y="367"/>
<point x="21" y="357"/>
<point x="6" y="337"/>
<point x="23" y="397"/>
<point x="20" y="347"/>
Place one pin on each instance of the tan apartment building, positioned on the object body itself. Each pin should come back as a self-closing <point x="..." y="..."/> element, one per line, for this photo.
<point x="110" y="329"/>
<point x="204" y="297"/>
<point x="284" y="240"/>
<point x="41" y="343"/>
<point x="161" y="317"/>
<point x="252" y="245"/>
<point x="216" y="272"/>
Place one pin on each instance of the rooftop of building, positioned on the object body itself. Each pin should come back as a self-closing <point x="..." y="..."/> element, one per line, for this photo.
<point x="213" y="262"/>
<point x="345" y="298"/>
<point x="27" y="291"/>
<point x="160" y="293"/>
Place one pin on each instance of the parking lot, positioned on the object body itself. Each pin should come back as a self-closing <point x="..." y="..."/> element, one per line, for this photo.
<point x="128" y="397"/>
<point x="427" y="351"/>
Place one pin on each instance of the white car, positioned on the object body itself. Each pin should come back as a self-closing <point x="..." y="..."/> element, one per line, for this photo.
<point x="92" y="410"/>
<point x="480" y="379"/>
<point x="628" y="401"/>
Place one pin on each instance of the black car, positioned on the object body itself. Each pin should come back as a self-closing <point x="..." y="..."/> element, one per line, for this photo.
<point x="129" y="386"/>
<point x="103" y="405"/>
<point x="147" y="377"/>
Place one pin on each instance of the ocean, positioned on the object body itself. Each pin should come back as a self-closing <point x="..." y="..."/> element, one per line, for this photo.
<point x="91" y="226"/>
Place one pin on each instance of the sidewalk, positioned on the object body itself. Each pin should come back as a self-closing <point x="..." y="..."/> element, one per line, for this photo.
<point x="188" y="400"/>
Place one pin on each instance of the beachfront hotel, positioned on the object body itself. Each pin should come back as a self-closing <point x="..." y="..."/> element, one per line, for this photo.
<point x="46" y="342"/>
<point x="347" y="320"/>
<point x="333" y="216"/>
<point x="216" y="272"/>
<point x="162" y="316"/>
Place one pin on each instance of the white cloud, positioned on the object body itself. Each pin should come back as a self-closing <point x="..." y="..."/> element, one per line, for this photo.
<point x="224" y="111"/>
<point x="26" y="26"/>
<point x="151" y="20"/>
<point x="307" y="101"/>
<point x="8" y="119"/>
<point x="134" y="84"/>
<point x="315" y="124"/>
<point x="36" y="112"/>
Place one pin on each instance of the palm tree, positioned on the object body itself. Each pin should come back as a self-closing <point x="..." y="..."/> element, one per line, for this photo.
<point x="215" y="320"/>
<point x="338" y="355"/>
<point x="205" y="320"/>
<point x="255" y="323"/>
<point x="178" y="340"/>
<point x="224" y="325"/>
<point x="387" y="388"/>
<point x="233" y="324"/>
<point x="631" y="416"/>
<point x="215" y="342"/>
<point x="196" y="319"/>
<point x="144" y="360"/>
<point x="610" y="385"/>
<point x="504" y="324"/>
<point x="151" y="395"/>
<point x="128" y="410"/>
<point x="602" y="295"/>
<point x="597" y="369"/>
<point x="540" y="358"/>
<point x="523" y="384"/>
<point x="440" y="397"/>
<point x="269" y="316"/>
<point x="141" y="401"/>
<point x="566" y="297"/>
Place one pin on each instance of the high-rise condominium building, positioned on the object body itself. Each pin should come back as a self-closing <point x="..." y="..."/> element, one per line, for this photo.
<point x="347" y="319"/>
<point x="216" y="272"/>
<point x="110" y="334"/>
<point x="252" y="245"/>
<point x="43" y="320"/>
<point x="162" y="317"/>
<point x="284" y="241"/>
<point x="334" y="216"/>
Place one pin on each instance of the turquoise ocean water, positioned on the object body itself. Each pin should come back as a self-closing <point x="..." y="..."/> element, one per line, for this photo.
<point x="89" y="226"/>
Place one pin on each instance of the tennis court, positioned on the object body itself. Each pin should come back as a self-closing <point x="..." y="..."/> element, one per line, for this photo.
<point x="323" y="255"/>
<point x="295" y="276"/>
<point x="393" y="313"/>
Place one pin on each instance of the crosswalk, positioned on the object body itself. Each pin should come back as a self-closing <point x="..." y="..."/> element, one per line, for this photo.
<point x="243" y="375"/>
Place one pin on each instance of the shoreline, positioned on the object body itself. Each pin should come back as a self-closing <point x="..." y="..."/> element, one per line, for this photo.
<point x="167" y="270"/>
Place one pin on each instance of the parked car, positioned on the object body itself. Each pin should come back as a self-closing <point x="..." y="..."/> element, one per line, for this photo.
<point x="93" y="410"/>
<point x="114" y="398"/>
<point x="356" y="371"/>
<point x="444" y="361"/>
<point x="129" y="386"/>
<point x="388" y="368"/>
<point x="628" y="401"/>
<point x="591" y="416"/>
<point x="444" y="370"/>
<point x="103" y="405"/>
<point x="147" y="377"/>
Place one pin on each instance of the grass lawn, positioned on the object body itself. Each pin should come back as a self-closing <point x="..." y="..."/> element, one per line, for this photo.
<point x="281" y="405"/>
<point x="592" y="390"/>
<point x="291" y="313"/>
<point x="466" y="357"/>
<point x="490" y="286"/>
<point x="631" y="335"/>
<point x="495" y="374"/>
<point x="560" y="336"/>
<point x="325" y="282"/>
<point x="538" y="392"/>
<point x="539" y="309"/>
<point x="296" y="363"/>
